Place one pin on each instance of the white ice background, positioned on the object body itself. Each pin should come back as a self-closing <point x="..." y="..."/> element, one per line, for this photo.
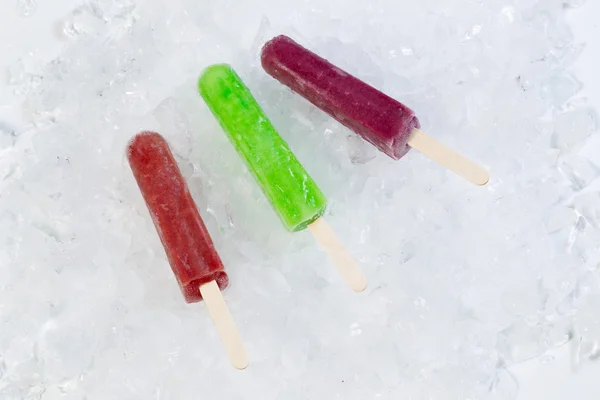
<point x="464" y="282"/>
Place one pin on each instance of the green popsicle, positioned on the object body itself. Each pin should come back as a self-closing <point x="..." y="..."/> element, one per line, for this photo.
<point x="291" y="191"/>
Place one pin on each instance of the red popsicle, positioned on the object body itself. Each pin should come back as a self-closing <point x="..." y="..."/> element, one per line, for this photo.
<point x="187" y="243"/>
<point x="385" y="122"/>
<point x="190" y="250"/>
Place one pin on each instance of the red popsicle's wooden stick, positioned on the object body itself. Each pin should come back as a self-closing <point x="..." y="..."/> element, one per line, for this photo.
<point x="338" y="254"/>
<point x="448" y="158"/>
<point x="217" y="308"/>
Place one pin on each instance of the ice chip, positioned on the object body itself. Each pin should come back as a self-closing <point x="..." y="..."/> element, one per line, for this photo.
<point x="26" y="8"/>
<point x="175" y="126"/>
<point x="572" y="128"/>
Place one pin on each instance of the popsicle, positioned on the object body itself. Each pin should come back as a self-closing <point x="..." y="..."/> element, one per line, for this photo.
<point x="383" y="121"/>
<point x="187" y="243"/>
<point x="293" y="194"/>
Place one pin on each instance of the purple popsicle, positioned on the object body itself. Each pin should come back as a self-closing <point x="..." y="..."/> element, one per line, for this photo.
<point x="381" y="120"/>
<point x="378" y="118"/>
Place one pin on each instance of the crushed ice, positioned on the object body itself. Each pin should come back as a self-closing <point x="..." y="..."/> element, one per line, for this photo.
<point x="464" y="281"/>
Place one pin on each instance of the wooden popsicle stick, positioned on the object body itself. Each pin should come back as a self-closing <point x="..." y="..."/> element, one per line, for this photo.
<point x="448" y="158"/>
<point x="338" y="254"/>
<point x="225" y="325"/>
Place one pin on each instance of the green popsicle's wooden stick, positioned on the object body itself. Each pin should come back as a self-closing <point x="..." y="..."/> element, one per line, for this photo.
<point x="342" y="260"/>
